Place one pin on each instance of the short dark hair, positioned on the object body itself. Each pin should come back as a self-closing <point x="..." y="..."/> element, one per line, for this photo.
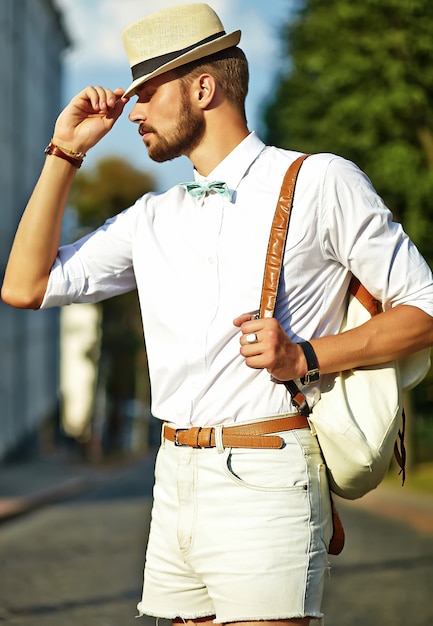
<point x="230" y="69"/>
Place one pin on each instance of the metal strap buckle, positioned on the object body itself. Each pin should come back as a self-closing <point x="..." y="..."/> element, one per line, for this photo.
<point x="311" y="376"/>
<point x="176" y="440"/>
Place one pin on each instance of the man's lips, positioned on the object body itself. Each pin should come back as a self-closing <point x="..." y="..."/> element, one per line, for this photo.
<point x="144" y="130"/>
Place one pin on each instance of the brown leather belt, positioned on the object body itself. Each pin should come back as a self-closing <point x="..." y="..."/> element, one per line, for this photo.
<point x="255" y="435"/>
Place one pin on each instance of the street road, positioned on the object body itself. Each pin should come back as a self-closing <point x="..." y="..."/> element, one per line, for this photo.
<point x="79" y="563"/>
<point x="383" y="577"/>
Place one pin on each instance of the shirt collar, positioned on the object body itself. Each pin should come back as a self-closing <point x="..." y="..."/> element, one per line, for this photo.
<point x="234" y="167"/>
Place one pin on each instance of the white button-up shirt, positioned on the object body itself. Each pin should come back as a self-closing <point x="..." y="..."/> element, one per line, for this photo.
<point x="198" y="264"/>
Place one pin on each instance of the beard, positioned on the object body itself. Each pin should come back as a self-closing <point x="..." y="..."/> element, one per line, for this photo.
<point x="182" y="138"/>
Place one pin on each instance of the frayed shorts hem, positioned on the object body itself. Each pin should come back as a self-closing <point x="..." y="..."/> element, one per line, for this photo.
<point x="266" y="618"/>
<point x="143" y="613"/>
<point x="235" y="618"/>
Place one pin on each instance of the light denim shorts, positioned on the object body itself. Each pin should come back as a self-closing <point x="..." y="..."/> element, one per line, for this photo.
<point x="241" y="534"/>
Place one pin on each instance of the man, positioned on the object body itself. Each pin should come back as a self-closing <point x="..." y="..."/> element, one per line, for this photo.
<point x="240" y="529"/>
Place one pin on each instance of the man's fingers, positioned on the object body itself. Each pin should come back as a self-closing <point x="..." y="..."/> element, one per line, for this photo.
<point x="245" y="317"/>
<point x="101" y="98"/>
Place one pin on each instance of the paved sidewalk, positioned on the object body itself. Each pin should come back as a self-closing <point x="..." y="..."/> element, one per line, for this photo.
<point x="402" y="504"/>
<point x="27" y="485"/>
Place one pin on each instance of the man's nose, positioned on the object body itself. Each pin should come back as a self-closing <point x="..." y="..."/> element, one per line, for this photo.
<point x="136" y="114"/>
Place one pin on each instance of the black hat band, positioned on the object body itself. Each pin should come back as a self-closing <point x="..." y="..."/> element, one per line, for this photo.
<point x="150" y="65"/>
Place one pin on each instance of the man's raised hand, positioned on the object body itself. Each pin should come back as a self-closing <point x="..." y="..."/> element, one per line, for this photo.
<point x="89" y="116"/>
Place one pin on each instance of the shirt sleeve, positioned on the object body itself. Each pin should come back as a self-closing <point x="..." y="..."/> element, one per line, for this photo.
<point x="96" y="267"/>
<point x="359" y="232"/>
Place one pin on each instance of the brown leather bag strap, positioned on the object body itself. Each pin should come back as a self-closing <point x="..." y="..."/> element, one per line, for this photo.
<point x="274" y="262"/>
<point x="358" y="291"/>
<point x="277" y="239"/>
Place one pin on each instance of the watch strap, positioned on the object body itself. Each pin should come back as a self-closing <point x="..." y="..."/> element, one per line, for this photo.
<point x="313" y="372"/>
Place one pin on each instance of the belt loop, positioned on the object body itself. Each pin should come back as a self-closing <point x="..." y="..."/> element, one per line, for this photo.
<point x="162" y="435"/>
<point x="219" y="439"/>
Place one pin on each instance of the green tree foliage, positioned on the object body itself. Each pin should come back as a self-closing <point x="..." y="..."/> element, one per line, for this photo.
<point x="360" y="83"/>
<point x="99" y="193"/>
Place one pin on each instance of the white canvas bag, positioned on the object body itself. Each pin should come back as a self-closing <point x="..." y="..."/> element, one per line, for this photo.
<point x="359" y="413"/>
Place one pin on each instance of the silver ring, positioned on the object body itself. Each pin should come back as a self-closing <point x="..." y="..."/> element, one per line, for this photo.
<point x="251" y="338"/>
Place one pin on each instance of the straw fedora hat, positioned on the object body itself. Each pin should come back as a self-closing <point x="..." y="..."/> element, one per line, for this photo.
<point x="172" y="37"/>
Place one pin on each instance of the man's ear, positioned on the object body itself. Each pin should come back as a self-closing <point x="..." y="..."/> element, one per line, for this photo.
<point x="204" y="90"/>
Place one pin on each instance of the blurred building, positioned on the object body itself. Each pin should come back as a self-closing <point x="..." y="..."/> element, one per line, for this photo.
<point x="80" y="334"/>
<point x="32" y="39"/>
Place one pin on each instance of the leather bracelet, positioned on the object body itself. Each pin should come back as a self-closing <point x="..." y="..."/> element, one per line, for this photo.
<point x="313" y="373"/>
<point x="76" y="160"/>
<point x="72" y="153"/>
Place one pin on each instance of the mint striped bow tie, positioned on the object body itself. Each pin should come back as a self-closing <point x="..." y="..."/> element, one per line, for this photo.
<point x="198" y="189"/>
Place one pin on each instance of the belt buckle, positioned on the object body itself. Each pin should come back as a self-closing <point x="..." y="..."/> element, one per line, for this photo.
<point x="176" y="440"/>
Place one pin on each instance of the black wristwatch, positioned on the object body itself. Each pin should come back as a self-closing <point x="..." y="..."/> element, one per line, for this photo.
<point x="313" y="373"/>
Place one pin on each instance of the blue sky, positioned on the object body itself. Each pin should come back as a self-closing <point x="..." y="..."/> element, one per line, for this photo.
<point x="97" y="57"/>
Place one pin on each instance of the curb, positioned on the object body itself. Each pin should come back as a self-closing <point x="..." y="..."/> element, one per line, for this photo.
<point x="19" y="505"/>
